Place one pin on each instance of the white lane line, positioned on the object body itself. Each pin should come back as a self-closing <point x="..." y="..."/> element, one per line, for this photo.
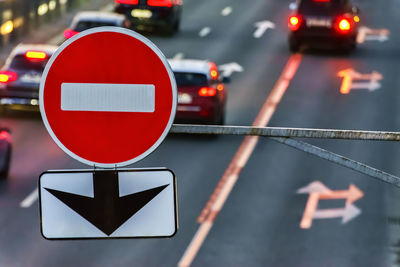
<point x="231" y="175"/>
<point x="205" y="31"/>
<point x="179" y="56"/>
<point x="226" y="11"/>
<point x="30" y="199"/>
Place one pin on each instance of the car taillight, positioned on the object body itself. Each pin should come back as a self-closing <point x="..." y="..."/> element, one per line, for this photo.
<point x="68" y="33"/>
<point x="167" y="3"/>
<point x="207" y="91"/>
<point x="4" y="135"/>
<point x="35" y="55"/>
<point x="343" y="25"/>
<point x="213" y="71"/>
<point x="7" y="76"/>
<point x="294" y="22"/>
<point x="129" y="2"/>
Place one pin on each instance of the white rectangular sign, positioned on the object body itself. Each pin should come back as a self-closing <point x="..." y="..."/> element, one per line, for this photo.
<point x="128" y="203"/>
<point x="107" y="97"/>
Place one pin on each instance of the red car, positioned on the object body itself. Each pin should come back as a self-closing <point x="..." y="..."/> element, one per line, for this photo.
<point x="201" y="93"/>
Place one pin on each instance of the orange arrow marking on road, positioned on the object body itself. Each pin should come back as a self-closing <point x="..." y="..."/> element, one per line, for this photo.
<point x="367" y="34"/>
<point x="349" y="75"/>
<point x="319" y="191"/>
<point x="352" y="195"/>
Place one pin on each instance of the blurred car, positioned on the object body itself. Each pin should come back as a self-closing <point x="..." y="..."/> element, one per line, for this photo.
<point x="20" y="76"/>
<point x="5" y="152"/>
<point x="323" y="22"/>
<point x="201" y="93"/>
<point x="165" y="14"/>
<point x="91" y="19"/>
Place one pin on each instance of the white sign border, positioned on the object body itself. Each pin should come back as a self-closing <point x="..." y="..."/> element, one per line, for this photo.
<point x="160" y="56"/>
<point x="156" y="169"/>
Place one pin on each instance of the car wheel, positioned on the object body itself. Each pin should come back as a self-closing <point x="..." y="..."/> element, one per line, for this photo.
<point x="220" y="120"/>
<point x="4" y="170"/>
<point x="169" y="30"/>
<point x="294" y="45"/>
<point x="177" y="25"/>
<point x="3" y="110"/>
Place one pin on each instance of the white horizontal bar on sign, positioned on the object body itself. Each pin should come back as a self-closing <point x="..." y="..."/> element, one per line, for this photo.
<point x="107" y="97"/>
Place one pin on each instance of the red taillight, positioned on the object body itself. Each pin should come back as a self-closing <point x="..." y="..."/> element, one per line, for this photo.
<point x="343" y="25"/>
<point x="167" y="3"/>
<point x="213" y="71"/>
<point x="207" y="91"/>
<point x="35" y="55"/>
<point x="294" y="22"/>
<point x="68" y="33"/>
<point x="7" y="76"/>
<point x="4" y="135"/>
<point x="129" y="2"/>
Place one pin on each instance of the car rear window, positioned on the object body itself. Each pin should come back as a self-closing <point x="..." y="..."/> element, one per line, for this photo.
<point x="84" y="25"/>
<point x="22" y="63"/>
<point x="328" y="7"/>
<point x="190" y="79"/>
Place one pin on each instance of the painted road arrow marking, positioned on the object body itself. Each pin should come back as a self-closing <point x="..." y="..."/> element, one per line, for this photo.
<point x="226" y="11"/>
<point x="371" y="86"/>
<point x="106" y="210"/>
<point x="262" y="27"/>
<point x="347" y="214"/>
<point x="178" y="56"/>
<point x="367" y="34"/>
<point x="314" y="187"/>
<point x="229" y="68"/>
<point x="380" y="38"/>
<point x="205" y="31"/>
<point x="349" y="75"/>
<point x="318" y="191"/>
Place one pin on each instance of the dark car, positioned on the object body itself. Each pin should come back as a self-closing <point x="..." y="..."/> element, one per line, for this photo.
<point x="201" y="94"/>
<point x="20" y="76"/>
<point x="332" y="23"/>
<point x="164" y="14"/>
<point x="5" y="152"/>
<point x="91" y="19"/>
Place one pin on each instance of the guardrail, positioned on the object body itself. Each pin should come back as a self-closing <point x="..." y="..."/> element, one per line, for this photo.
<point x="286" y="135"/>
<point x="17" y="17"/>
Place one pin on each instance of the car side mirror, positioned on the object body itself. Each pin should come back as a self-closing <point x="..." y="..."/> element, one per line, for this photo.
<point x="225" y="79"/>
<point x="355" y="10"/>
<point x="293" y="6"/>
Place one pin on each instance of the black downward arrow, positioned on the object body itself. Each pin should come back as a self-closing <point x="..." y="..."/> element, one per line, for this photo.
<point x="107" y="211"/>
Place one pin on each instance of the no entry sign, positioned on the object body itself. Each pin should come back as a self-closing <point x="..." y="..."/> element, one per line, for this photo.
<point x="108" y="97"/>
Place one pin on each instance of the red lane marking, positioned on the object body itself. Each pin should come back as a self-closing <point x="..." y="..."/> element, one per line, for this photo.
<point x="229" y="178"/>
<point x="263" y="117"/>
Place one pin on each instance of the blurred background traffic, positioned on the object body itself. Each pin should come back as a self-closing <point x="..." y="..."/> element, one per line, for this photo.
<point x="309" y="63"/>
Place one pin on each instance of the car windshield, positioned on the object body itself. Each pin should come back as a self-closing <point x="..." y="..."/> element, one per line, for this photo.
<point x="22" y="63"/>
<point x="190" y="79"/>
<point x="84" y="25"/>
<point x="313" y="7"/>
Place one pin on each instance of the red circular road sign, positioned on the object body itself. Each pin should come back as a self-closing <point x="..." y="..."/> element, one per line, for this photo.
<point x="108" y="97"/>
